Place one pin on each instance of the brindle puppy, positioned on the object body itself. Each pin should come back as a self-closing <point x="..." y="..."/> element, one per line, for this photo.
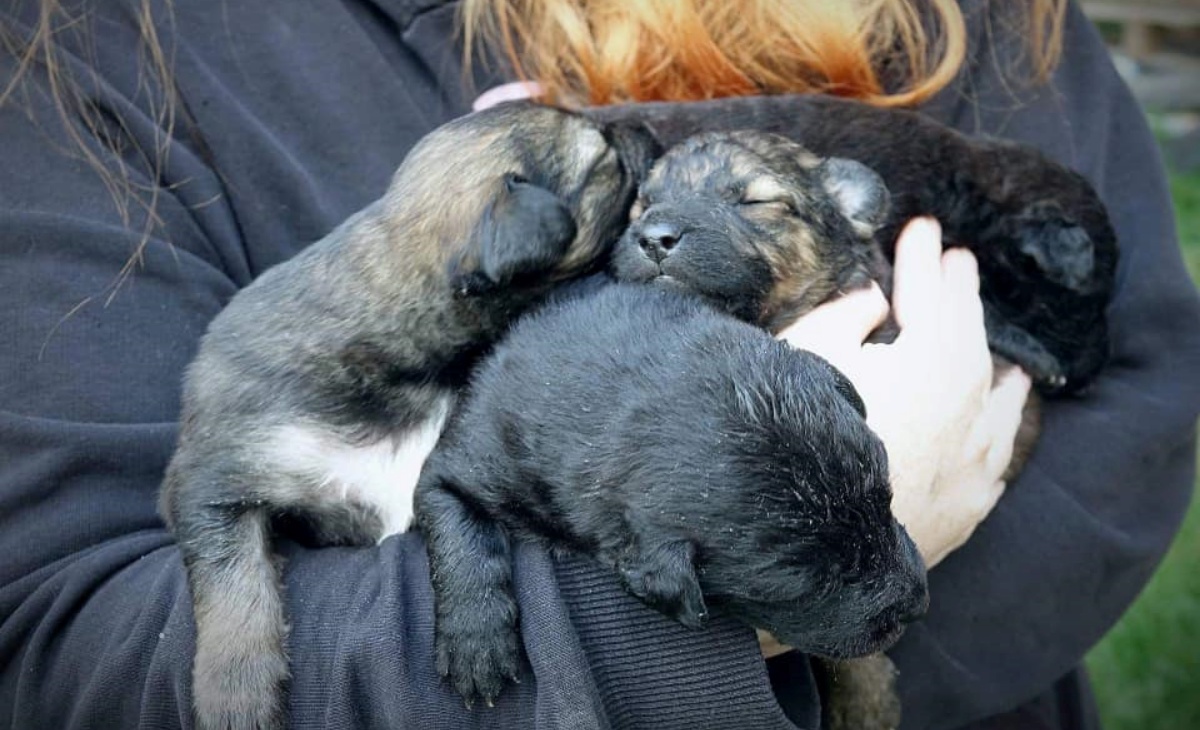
<point x="319" y="391"/>
<point x="756" y="224"/>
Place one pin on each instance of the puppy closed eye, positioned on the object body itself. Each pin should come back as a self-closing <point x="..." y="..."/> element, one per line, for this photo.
<point x="513" y="179"/>
<point x="765" y="193"/>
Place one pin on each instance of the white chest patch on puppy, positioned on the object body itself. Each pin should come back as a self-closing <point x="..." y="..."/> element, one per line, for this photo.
<point x="381" y="475"/>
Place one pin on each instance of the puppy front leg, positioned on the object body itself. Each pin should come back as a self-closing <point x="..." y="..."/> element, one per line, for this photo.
<point x="1017" y="345"/>
<point x="663" y="575"/>
<point x="470" y="560"/>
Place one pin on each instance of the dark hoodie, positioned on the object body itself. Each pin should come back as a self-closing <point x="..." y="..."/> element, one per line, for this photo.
<point x="292" y="115"/>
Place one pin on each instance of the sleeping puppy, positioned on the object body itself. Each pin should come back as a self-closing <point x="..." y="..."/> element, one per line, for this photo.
<point x="1047" y="252"/>
<point x="766" y="230"/>
<point x="319" y="390"/>
<point x="710" y="466"/>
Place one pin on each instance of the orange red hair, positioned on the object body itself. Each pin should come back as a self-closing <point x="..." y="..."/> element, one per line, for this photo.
<point x="886" y="52"/>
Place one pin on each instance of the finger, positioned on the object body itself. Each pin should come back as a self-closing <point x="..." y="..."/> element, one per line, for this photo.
<point x="994" y="431"/>
<point x="918" y="274"/>
<point x="989" y="497"/>
<point x="963" y="337"/>
<point x="961" y="303"/>
<point x="986" y="497"/>
<point x="506" y="92"/>
<point x="844" y="322"/>
<point x="1006" y="408"/>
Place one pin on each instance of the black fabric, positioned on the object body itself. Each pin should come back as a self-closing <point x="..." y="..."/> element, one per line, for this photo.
<point x="290" y="117"/>
<point x="1068" y="705"/>
<point x="1079" y="532"/>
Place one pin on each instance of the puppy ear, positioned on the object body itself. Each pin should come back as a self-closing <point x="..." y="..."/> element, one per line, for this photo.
<point x="844" y="387"/>
<point x="1061" y="249"/>
<point x="858" y="191"/>
<point x="664" y="577"/>
<point x="525" y="231"/>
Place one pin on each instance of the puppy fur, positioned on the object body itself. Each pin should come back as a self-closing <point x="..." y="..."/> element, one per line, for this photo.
<point x="712" y="467"/>
<point x="320" y="389"/>
<point x="1046" y="250"/>
<point x="763" y="228"/>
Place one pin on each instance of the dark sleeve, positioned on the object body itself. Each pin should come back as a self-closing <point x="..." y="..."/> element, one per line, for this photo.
<point x="1076" y="537"/>
<point x="97" y="322"/>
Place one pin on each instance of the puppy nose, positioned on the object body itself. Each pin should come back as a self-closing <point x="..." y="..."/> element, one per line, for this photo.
<point x="916" y="592"/>
<point x="657" y="240"/>
<point x="917" y="604"/>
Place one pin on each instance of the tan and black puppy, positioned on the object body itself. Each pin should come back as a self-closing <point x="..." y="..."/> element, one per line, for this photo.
<point x="320" y="390"/>
<point x="756" y="224"/>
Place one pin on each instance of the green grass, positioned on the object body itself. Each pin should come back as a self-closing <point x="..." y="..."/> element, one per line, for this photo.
<point x="1185" y="190"/>
<point x="1146" y="672"/>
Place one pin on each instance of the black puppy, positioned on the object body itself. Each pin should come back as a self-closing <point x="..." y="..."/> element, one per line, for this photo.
<point x="711" y="466"/>
<point x="319" y="390"/>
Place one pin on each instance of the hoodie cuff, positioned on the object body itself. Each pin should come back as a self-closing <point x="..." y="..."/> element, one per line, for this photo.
<point x="652" y="672"/>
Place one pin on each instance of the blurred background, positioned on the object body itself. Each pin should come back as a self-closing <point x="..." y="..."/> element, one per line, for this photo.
<point x="1146" y="672"/>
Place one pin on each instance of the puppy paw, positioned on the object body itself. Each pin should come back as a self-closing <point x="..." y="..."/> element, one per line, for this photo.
<point x="664" y="577"/>
<point x="478" y="649"/>
<point x="1013" y="343"/>
<point x="1060" y="249"/>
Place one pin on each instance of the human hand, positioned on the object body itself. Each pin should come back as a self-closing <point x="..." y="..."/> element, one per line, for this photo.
<point x="948" y="430"/>
<point x="929" y="395"/>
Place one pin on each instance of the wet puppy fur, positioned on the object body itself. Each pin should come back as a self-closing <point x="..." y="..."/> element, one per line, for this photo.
<point x="712" y="467"/>
<point x="1047" y="252"/>
<point x="319" y="390"/>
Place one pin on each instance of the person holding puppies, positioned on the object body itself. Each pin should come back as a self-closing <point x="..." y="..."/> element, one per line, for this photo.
<point x="139" y="191"/>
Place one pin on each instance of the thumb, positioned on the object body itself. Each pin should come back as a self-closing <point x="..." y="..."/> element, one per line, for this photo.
<point x="845" y="321"/>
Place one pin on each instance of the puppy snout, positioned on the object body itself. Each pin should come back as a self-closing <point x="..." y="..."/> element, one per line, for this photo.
<point x="915" y="601"/>
<point x="916" y="605"/>
<point x="658" y="239"/>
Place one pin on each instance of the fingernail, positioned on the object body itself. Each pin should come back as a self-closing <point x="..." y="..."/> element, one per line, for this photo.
<point x="1023" y="378"/>
<point x="1018" y="378"/>
<point x="506" y="92"/>
<point x="961" y="264"/>
<point x="962" y="257"/>
<point x="927" y="228"/>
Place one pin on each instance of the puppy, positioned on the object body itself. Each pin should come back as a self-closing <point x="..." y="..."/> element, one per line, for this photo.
<point x="1047" y="252"/>
<point x="766" y="230"/>
<point x="319" y="390"/>
<point x="710" y="466"/>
